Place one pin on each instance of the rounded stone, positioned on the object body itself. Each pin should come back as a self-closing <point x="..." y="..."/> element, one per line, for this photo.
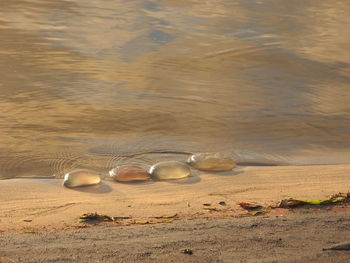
<point x="129" y="173"/>
<point x="81" y="177"/>
<point x="170" y="170"/>
<point x="211" y="162"/>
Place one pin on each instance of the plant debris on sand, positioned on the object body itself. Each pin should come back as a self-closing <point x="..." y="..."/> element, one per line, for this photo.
<point x="333" y="199"/>
<point x="94" y="218"/>
<point x="250" y="206"/>
<point x="256" y="209"/>
<point x="97" y="218"/>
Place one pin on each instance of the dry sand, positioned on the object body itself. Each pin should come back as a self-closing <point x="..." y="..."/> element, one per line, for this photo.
<point x="39" y="219"/>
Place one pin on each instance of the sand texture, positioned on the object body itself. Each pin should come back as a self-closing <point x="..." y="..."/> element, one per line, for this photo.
<point x="39" y="218"/>
<point x="256" y="239"/>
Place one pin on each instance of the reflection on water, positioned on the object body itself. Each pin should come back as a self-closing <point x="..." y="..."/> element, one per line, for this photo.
<point x="85" y="84"/>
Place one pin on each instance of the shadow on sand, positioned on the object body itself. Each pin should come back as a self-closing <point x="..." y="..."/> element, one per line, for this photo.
<point x="101" y="188"/>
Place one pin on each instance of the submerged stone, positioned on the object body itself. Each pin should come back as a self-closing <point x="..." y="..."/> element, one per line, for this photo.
<point x="170" y="170"/>
<point x="81" y="177"/>
<point x="129" y="173"/>
<point x="211" y="162"/>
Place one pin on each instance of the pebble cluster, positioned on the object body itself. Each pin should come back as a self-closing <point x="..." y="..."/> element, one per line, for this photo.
<point x="166" y="170"/>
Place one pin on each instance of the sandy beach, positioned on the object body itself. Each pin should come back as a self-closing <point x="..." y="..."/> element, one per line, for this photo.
<point x="125" y="90"/>
<point x="157" y="220"/>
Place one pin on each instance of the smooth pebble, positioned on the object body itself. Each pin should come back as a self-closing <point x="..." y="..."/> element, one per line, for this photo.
<point x="129" y="173"/>
<point x="170" y="170"/>
<point x="81" y="177"/>
<point x="211" y="162"/>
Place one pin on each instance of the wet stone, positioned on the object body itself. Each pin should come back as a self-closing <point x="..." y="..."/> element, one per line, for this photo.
<point x="81" y="177"/>
<point x="170" y="170"/>
<point x="129" y="173"/>
<point x="211" y="162"/>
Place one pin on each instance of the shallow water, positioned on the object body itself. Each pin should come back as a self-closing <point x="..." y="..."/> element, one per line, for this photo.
<point x="89" y="84"/>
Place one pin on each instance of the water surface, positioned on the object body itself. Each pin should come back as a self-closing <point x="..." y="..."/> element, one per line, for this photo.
<point x="89" y="84"/>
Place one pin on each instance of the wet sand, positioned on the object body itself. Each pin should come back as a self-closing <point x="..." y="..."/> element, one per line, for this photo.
<point x="40" y="218"/>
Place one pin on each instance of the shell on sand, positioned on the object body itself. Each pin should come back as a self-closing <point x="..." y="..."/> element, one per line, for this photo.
<point x="211" y="162"/>
<point x="170" y="170"/>
<point x="81" y="177"/>
<point x="129" y="173"/>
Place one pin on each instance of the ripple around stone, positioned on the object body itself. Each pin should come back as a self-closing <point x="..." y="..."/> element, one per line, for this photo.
<point x="81" y="177"/>
<point x="129" y="173"/>
<point x="211" y="162"/>
<point x="170" y="170"/>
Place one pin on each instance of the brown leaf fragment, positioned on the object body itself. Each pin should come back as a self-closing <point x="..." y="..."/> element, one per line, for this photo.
<point x="94" y="218"/>
<point x="166" y="216"/>
<point x="250" y="206"/>
<point x="287" y="203"/>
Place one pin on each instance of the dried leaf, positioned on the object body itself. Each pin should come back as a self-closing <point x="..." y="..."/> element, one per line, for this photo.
<point x="250" y="206"/>
<point x="167" y="221"/>
<point x="290" y="203"/>
<point x="260" y="212"/>
<point x="94" y="217"/>
<point x="166" y="216"/>
<point x="243" y="204"/>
